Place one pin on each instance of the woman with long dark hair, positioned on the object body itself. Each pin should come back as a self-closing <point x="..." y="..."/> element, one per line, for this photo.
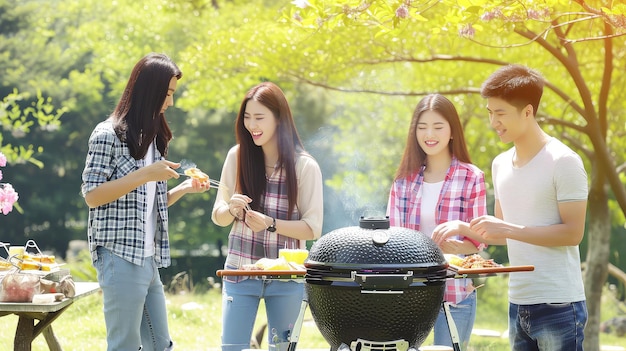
<point x="438" y="189"/>
<point x="125" y="186"/>
<point x="272" y="196"/>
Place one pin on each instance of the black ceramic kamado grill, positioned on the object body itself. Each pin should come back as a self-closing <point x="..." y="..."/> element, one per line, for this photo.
<point x="374" y="286"/>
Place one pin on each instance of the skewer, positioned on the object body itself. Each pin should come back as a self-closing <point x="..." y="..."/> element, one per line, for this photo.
<point x="186" y="164"/>
<point x="212" y="182"/>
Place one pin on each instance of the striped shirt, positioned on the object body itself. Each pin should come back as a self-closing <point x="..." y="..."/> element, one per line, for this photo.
<point x="463" y="197"/>
<point x="119" y="225"/>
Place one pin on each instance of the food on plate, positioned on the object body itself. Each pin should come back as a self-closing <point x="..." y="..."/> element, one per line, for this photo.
<point x="477" y="261"/>
<point x="271" y="264"/>
<point x="471" y="261"/>
<point x="195" y="173"/>
<point x="454" y="260"/>
<point x="36" y="265"/>
<point x="5" y="265"/>
<point x="39" y="258"/>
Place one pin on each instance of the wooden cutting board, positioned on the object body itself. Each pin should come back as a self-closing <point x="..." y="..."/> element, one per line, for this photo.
<point x="254" y="273"/>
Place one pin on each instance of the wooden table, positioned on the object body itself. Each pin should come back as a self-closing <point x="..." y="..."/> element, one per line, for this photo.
<point x="27" y="329"/>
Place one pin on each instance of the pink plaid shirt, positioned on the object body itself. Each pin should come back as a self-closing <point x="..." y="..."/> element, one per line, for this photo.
<point x="463" y="197"/>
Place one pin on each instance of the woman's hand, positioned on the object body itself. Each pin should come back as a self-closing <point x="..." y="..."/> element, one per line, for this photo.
<point x="192" y="185"/>
<point x="238" y="205"/>
<point x="448" y="229"/>
<point x="160" y="170"/>
<point x="188" y="186"/>
<point x="445" y="235"/>
<point x="257" y="221"/>
<point x="452" y="246"/>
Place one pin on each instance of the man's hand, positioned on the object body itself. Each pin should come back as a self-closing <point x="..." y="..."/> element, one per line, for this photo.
<point x="491" y="228"/>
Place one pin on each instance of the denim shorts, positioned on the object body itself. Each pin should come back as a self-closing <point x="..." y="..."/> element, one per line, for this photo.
<point x="547" y="326"/>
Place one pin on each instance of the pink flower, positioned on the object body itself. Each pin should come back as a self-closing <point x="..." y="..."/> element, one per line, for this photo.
<point x="8" y="197"/>
<point x="467" y="31"/>
<point x="496" y="13"/>
<point x="533" y="14"/>
<point x="402" y="11"/>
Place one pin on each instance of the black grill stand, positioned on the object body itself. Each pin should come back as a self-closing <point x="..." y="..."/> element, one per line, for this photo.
<point x="454" y="333"/>
<point x="297" y="327"/>
<point x="295" y="333"/>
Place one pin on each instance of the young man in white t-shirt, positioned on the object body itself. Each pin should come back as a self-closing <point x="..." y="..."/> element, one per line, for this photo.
<point x="540" y="188"/>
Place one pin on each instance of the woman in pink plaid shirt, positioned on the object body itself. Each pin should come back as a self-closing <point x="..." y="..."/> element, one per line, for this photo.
<point x="437" y="189"/>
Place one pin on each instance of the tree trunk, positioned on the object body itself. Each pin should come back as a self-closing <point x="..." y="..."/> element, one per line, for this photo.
<point x="596" y="268"/>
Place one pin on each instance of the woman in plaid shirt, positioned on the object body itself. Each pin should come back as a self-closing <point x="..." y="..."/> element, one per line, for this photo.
<point x="125" y="185"/>
<point x="438" y="189"/>
<point x="273" y="199"/>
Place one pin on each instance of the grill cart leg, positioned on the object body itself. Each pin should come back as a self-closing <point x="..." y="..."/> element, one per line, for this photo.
<point x="454" y="333"/>
<point x="295" y="333"/>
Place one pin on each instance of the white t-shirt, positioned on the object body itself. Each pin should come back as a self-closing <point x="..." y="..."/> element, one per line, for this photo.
<point x="529" y="196"/>
<point x="150" y="207"/>
<point x="428" y="211"/>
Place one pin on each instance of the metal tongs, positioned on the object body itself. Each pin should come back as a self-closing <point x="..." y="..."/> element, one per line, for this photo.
<point x="186" y="164"/>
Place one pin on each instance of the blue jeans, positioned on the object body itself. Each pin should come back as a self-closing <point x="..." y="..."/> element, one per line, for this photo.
<point x="463" y="314"/>
<point x="547" y="326"/>
<point x="240" y="302"/>
<point x="134" y="304"/>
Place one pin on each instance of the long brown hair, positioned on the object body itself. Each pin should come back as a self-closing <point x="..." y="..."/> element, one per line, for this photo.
<point x="137" y="116"/>
<point x="414" y="156"/>
<point x="251" y="164"/>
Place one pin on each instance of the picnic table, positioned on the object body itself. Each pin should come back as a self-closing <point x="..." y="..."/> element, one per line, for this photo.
<point x="27" y="327"/>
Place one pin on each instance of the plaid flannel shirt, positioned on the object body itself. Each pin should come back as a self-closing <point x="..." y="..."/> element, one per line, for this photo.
<point x="463" y="197"/>
<point x="120" y="225"/>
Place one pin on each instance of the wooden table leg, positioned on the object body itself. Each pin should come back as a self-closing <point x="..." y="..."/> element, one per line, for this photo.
<point x="24" y="334"/>
<point x="27" y="330"/>
<point x="51" y="339"/>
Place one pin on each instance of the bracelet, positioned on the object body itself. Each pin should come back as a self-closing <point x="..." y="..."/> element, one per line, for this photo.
<point x="231" y="213"/>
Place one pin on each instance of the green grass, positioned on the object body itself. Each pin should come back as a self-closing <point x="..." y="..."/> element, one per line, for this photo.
<point x="199" y="328"/>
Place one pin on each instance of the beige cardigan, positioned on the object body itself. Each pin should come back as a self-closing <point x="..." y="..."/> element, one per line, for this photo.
<point x="310" y="201"/>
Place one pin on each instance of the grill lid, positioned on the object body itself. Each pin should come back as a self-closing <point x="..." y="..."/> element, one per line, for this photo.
<point x="375" y="245"/>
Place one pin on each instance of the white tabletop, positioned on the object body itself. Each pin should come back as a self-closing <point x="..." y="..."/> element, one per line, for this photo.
<point x="82" y="289"/>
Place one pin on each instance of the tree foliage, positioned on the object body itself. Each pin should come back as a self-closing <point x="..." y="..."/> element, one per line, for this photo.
<point x="80" y="55"/>
<point x="17" y="121"/>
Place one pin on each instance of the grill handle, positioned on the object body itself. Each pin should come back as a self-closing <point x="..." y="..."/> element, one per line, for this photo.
<point x="383" y="281"/>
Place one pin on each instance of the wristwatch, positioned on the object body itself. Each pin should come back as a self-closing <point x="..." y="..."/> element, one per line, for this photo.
<point x="272" y="227"/>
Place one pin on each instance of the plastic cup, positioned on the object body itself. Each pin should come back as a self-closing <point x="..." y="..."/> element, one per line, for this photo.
<point x="17" y="251"/>
<point x="294" y="255"/>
